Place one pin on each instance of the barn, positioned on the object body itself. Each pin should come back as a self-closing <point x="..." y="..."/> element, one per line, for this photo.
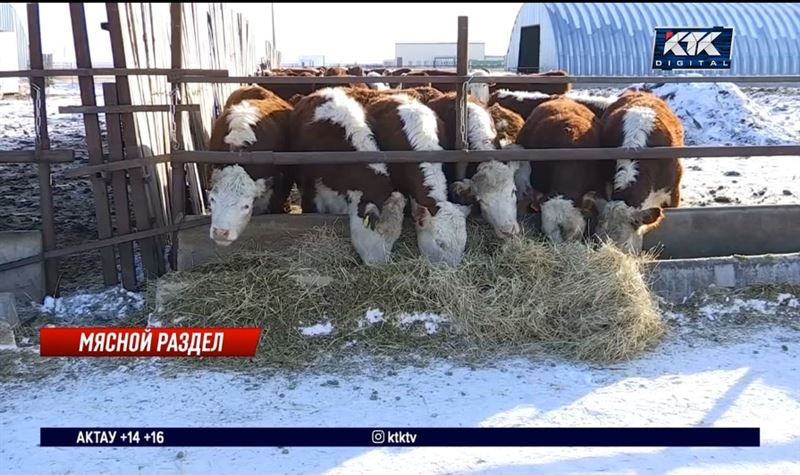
<point x="617" y="38"/>
<point x="14" y="45"/>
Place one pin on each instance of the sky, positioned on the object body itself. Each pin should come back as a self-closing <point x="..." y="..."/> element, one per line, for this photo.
<point x="342" y="32"/>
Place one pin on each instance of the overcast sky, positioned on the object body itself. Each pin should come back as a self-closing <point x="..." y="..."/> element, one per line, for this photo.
<point x="342" y="32"/>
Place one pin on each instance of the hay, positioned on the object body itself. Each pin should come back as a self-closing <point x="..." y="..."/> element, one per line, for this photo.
<point x="587" y="304"/>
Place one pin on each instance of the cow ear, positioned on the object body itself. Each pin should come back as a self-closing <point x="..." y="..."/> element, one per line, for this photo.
<point x="514" y="166"/>
<point x="421" y="215"/>
<point x="462" y="191"/>
<point x="216" y="174"/>
<point x="647" y="217"/>
<point x="536" y="198"/>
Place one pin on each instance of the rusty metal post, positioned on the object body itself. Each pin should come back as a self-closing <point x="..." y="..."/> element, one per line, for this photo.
<point x="462" y="61"/>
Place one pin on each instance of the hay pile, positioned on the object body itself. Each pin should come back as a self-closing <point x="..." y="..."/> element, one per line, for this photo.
<point x="588" y="304"/>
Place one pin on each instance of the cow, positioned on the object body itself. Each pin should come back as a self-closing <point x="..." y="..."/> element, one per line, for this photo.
<point x="253" y="119"/>
<point x="561" y="185"/>
<point x="328" y="120"/>
<point x="557" y="89"/>
<point x="490" y="184"/>
<point x="401" y="122"/>
<point x="523" y="102"/>
<point x="640" y="188"/>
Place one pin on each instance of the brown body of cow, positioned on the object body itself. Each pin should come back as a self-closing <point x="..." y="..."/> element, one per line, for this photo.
<point x="253" y="119"/>
<point x="640" y="187"/>
<point x="564" y="123"/>
<point x="535" y="87"/>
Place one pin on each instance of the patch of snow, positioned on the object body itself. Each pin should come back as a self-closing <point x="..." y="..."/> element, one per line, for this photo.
<point x="788" y="300"/>
<point x="747" y="384"/>
<point x="372" y="317"/>
<point x="320" y="329"/>
<point x="722" y="114"/>
<point x="431" y="320"/>
<point x="115" y="302"/>
<point x="714" y="311"/>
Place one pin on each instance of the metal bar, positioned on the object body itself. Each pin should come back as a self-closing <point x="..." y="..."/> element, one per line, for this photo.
<point x="178" y="175"/>
<point x="88" y="71"/>
<point x="37" y="156"/>
<point x="42" y="143"/>
<point x="124" y="109"/>
<point x="189" y="78"/>
<point x="119" y="189"/>
<point x="114" y="241"/>
<point x="91" y="125"/>
<point x="553" y="154"/>
<point x="462" y="61"/>
<point x="148" y="248"/>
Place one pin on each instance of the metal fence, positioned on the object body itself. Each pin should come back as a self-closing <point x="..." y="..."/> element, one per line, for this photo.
<point x="119" y="109"/>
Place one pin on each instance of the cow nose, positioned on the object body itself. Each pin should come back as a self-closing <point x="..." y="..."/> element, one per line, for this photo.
<point x="509" y="231"/>
<point x="220" y="233"/>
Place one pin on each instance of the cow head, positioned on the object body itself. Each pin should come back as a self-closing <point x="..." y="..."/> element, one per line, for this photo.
<point x="231" y="200"/>
<point x="441" y="237"/>
<point x="623" y="225"/>
<point x="562" y="221"/>
<point x="374" y="235"/>
<point x="493" y="187"/>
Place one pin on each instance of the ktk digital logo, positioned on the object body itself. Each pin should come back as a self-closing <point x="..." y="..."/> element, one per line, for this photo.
<point x="693" y="48"/>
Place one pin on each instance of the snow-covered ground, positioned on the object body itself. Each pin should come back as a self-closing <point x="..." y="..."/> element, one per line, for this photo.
<point x="753" y="382"/>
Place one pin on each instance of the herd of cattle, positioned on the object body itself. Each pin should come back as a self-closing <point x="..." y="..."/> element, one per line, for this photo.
<point x="617" y="201"/>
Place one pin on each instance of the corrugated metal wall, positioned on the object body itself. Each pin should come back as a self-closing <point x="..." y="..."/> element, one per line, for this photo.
<point x="10" y="21"/>
<point x="617" y="38"/>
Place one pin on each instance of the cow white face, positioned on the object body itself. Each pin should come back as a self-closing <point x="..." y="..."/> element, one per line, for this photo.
<point x="442" y="238"/>
<point x="494" y="188"/>
<point x="561" y="221"/>
<point x="480" y="90"/>
<point x="625" y="225"/>
<point x="231" y="199"/>
<point x="374" y="236"/>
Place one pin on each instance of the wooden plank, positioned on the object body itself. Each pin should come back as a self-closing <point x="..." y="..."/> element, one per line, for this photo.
<point x="553" y="154"/>
<point x="150" y="249"/>
<point x="176" y="142"/>
<point x="89" y="71"/>
<point x="91" y="125"/>
<point x="119" y="189"/>
<point x="103" y="243"/>
<point x="42" y="143"/>
<point x="126" y="109"/>
<point x="37" y="156"/>
<point x="462" y="60"/>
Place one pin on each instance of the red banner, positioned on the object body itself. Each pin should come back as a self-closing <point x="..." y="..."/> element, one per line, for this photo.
<point x="185" y="342"/>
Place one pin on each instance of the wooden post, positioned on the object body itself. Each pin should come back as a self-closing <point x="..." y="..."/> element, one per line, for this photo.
<point x="150" y="248"/>
<point x="462" y="61"/>
<point x="42" y="143"/>
<point x="91" y="125"/>
<point x="119" y="189"/>
<point x="178" y="169"/>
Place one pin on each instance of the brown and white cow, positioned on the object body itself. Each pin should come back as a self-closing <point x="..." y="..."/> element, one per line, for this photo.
<point x="523" y="102"/>
<point x="253" y="119"/>
<point x="564" y="123"/>
<point x="401" y="122"/>
<point x="640" y="188"/>
<point x="329" y="120"/>
<point x="490" y="184"/>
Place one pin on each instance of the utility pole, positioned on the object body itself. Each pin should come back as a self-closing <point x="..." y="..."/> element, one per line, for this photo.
<point x="274" y="45"/>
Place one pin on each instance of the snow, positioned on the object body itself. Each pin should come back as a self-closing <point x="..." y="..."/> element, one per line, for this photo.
<point x="430" y="320"/>
<point x="115" y="302"/>
<point x="683" y="384"/>
<point x="319" y="329"/>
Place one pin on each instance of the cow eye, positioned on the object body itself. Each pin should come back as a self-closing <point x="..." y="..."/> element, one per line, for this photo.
<point x="211" y="200"/>
<point x="246" y="207"/>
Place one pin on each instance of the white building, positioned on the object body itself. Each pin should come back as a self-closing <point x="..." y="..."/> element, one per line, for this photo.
<point x="441" y="55"/>
<point x="14" y="47"/>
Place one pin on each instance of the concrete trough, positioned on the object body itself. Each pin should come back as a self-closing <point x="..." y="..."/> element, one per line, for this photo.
<point x="26" y="283"/>
<point x="730" y="247"/>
